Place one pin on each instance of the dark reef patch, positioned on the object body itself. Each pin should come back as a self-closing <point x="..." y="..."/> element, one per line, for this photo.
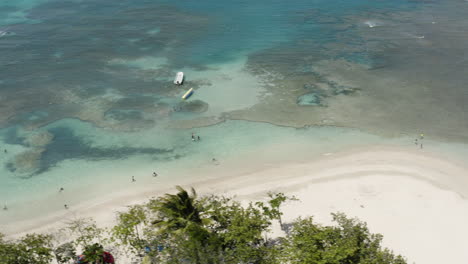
<point x="67" y="146"/>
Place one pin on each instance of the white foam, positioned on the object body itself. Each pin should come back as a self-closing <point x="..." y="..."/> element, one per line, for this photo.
<point x="4" y="32"/>
<point x="372" y="23"/>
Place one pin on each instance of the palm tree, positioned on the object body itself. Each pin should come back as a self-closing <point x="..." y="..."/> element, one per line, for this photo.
<point x="177" y="212"/>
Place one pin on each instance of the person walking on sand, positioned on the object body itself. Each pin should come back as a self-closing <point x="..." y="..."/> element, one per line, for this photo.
<point x="5" y="207"/>
<point x="66" y="206"/>
<point x="133" y="179"/>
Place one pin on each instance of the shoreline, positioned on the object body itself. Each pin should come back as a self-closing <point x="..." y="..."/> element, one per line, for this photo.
<point x="407" y="195"/>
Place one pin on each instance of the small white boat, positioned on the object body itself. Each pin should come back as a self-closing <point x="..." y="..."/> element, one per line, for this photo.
<point x="179" y="79"/>
<point x="187" y="94"/>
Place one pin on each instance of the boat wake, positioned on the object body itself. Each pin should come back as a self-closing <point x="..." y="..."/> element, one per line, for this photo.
<point x="372" y="23"/>
<point x="4" y="33"/>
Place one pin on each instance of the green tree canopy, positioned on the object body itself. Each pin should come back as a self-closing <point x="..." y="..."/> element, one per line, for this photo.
<point x="128" y="228"/>
<point x="349" y="242"/>
<point x="32" y="248"/>
<point x="176" y="211"/>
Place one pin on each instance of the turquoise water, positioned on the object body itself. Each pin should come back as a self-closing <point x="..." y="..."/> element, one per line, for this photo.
<point x="87" y="98"/>
<point x="90" y="164"/>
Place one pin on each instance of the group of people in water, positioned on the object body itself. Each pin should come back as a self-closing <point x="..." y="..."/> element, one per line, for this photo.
<point x="195" y="138"/>
<point x="419" y="141"/>
<point x="154" y="175"/>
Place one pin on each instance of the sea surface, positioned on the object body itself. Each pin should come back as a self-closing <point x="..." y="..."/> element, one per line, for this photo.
<point x="87" y="99"/>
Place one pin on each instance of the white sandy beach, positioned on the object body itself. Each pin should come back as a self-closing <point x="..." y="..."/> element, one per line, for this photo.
<point x="415" y="199"/>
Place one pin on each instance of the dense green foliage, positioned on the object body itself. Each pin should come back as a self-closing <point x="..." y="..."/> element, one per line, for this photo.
<point x="32" y="248"/>
<point x="65" y="252"/>
<point x="348" y="242"/>
<point x="94" y="253"/>
<point x="127" y="229"/>
<point x="183" y="228"/>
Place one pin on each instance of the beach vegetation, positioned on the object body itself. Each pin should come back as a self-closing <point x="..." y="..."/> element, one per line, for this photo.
<point x="347" y="242"/>
<point x="32" y="248"/>
<point x="185" y="228"/>
<point x="178" y="224"/>
<point x="176" y="212"/>
<point x="65" y="252"/>
<point x="239" y="230"/>
<point x="94" y="253"/>
<point x="84" y="231"/>
<point x="273" y="206"/>
<point x="129" y="228"/>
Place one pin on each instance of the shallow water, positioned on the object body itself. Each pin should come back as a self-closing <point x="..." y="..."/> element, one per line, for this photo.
<point x="87" y="97"/>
